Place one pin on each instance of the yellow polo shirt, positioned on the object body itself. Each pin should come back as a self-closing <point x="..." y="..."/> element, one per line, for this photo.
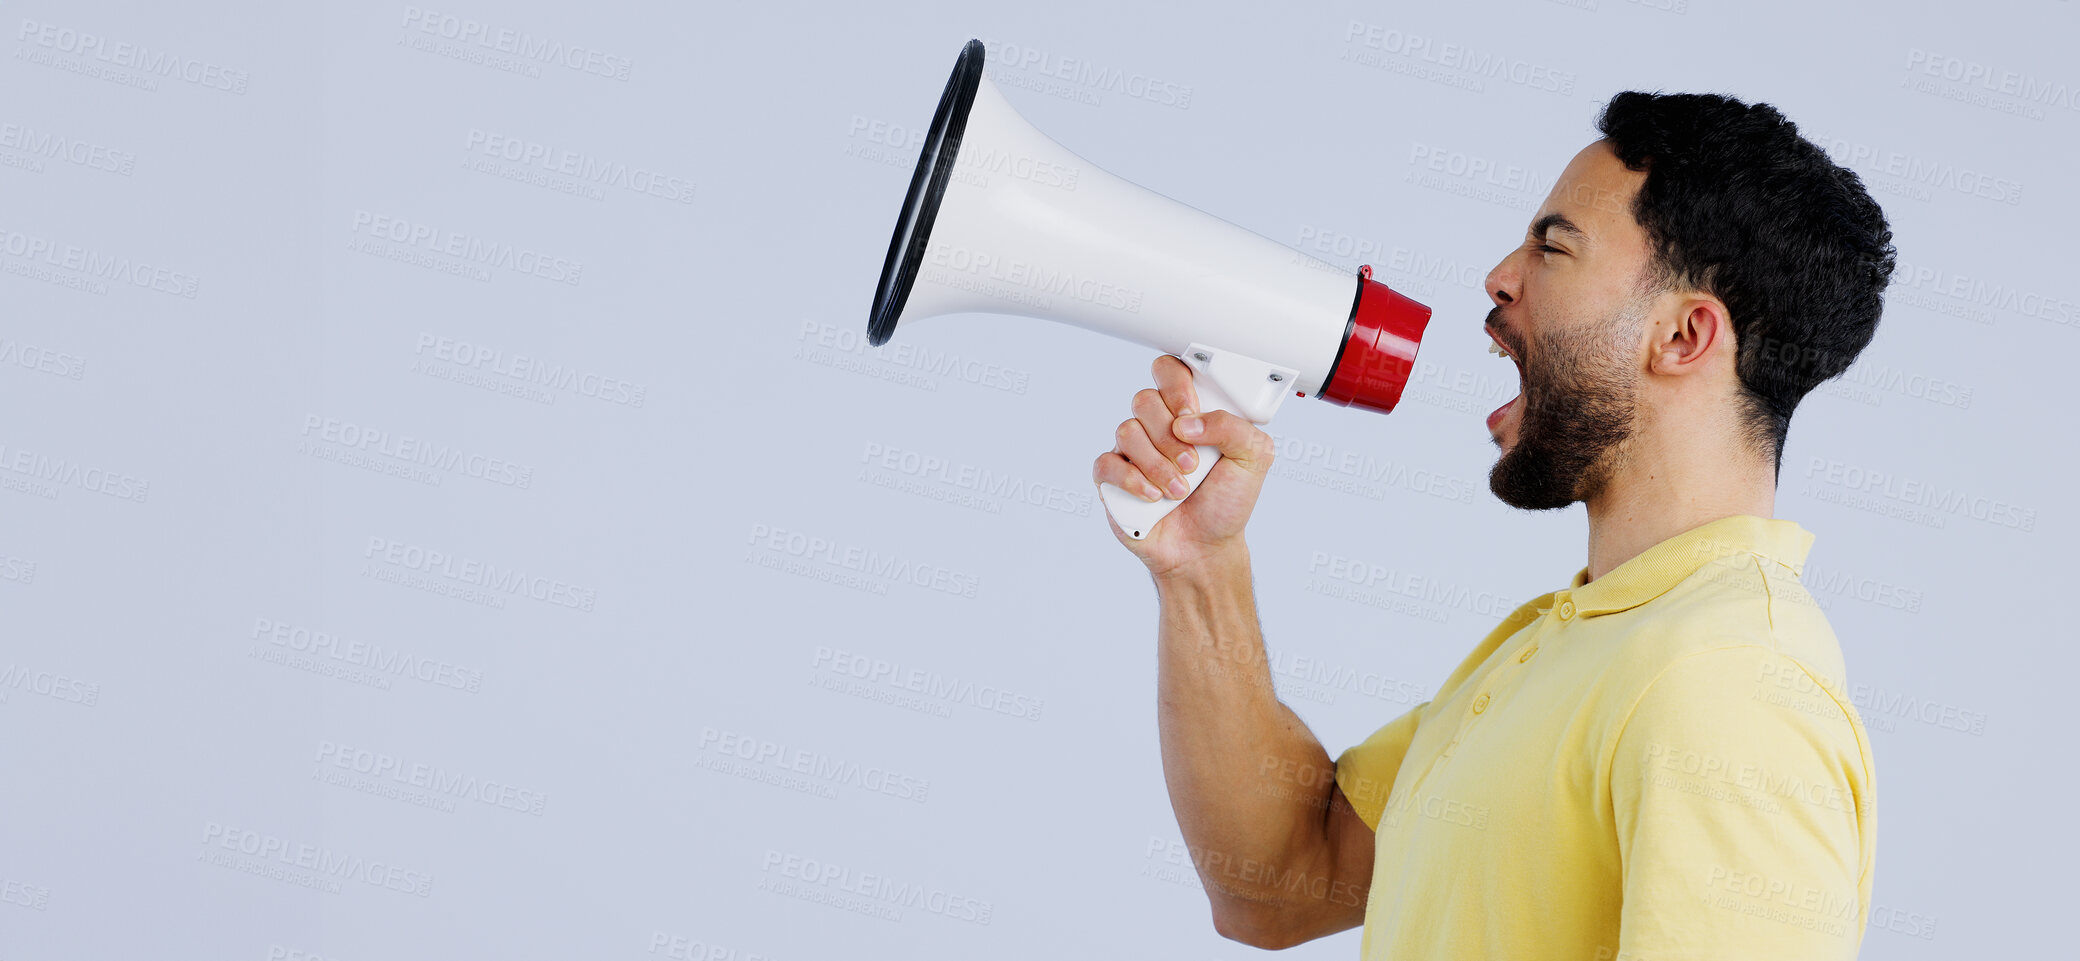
<point x="1660" y="764"/>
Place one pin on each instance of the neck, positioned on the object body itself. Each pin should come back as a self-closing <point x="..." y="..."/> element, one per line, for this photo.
<point x="1663" y="490"/>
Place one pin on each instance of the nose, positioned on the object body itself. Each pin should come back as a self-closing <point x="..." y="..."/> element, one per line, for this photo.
<point x="1504" y="282"/>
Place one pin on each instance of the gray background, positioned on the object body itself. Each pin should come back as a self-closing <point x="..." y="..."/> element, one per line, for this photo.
<point x="626" y="368"/>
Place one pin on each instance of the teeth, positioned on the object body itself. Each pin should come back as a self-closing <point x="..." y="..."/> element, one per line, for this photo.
<point x="1496" y="349"/>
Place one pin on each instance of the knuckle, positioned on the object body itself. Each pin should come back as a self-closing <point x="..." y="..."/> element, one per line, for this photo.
<point x="1262" y="447"/>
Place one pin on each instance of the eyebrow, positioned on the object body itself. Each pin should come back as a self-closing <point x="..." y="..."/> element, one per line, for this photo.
<point x="1559" y="222"/>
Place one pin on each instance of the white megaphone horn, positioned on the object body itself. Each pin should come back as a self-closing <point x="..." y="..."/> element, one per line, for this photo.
<point x="1002" y="219"/>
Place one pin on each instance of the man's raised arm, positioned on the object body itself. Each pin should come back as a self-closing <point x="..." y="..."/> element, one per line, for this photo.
<point x="1283" y="855"/>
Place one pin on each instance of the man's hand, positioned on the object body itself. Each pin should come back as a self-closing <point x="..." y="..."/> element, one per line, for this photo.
<point x="1152" y="451"/>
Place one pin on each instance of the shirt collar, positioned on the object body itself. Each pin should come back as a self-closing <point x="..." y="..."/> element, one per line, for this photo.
<point x="1653" y="571"/>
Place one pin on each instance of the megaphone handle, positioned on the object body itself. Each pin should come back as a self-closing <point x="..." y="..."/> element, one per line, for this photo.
<point x="1138" y="517"/>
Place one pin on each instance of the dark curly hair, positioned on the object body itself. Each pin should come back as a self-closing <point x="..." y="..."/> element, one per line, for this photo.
<point x="1738" y="205"/>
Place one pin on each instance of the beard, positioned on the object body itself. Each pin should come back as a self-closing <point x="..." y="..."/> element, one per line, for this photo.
<point x="1580" y="394"/>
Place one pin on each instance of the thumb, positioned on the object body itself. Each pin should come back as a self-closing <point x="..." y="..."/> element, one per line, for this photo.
<point x="1234" y="436"/>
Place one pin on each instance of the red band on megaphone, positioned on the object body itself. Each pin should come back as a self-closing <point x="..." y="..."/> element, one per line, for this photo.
<point x="1379" y="351"/>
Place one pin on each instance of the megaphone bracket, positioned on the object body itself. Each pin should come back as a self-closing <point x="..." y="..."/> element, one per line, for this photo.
<point x="1255" y="389"/>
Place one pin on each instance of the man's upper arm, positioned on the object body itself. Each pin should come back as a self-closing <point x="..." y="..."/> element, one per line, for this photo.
<point x="1364" y="774"/>
<point x="1741" y="794"/>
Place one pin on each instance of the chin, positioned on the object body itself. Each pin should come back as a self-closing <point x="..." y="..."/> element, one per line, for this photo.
<point x="1531" y="487"/>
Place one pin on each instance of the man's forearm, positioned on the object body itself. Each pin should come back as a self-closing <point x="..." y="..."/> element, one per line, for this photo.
<point x="1249" y="782"/>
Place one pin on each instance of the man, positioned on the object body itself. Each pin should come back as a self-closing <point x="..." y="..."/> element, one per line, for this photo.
<point x="1656" y="761"/>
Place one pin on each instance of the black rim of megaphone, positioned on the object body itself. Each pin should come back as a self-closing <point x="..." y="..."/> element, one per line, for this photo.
<point x="921" y="206"/>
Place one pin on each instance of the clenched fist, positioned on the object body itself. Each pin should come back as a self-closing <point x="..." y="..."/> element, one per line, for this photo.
<point x="1151" y="453"/>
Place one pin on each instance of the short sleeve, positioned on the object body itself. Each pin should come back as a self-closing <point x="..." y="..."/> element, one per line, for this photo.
<point x="1741" y="792"/>
<point x="1366" y="770"/>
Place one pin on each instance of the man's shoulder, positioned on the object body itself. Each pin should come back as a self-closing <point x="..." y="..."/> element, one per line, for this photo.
<point x="1741" y="612"/>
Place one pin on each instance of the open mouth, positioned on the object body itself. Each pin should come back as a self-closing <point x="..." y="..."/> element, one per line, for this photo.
<point x="1495" y="346"/>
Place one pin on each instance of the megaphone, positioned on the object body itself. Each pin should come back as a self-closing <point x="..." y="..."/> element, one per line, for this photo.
<point x="1001" y="219"/>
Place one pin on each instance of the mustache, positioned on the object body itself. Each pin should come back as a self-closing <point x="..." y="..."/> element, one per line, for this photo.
<point x="1493" y="324"/>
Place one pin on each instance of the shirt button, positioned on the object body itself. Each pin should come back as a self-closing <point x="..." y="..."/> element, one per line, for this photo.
<point x="1521" y="658"/>
<point x="1566" y="610"/>
<point x="1480" y="704"/>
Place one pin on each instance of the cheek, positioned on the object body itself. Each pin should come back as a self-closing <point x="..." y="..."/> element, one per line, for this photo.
<point x="1550" y="296"/>
<point x="1546" y="336"/>
<point x="1555" y="280"/>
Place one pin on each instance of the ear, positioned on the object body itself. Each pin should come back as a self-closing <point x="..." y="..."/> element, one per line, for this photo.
<point x="1686" y="342"/>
